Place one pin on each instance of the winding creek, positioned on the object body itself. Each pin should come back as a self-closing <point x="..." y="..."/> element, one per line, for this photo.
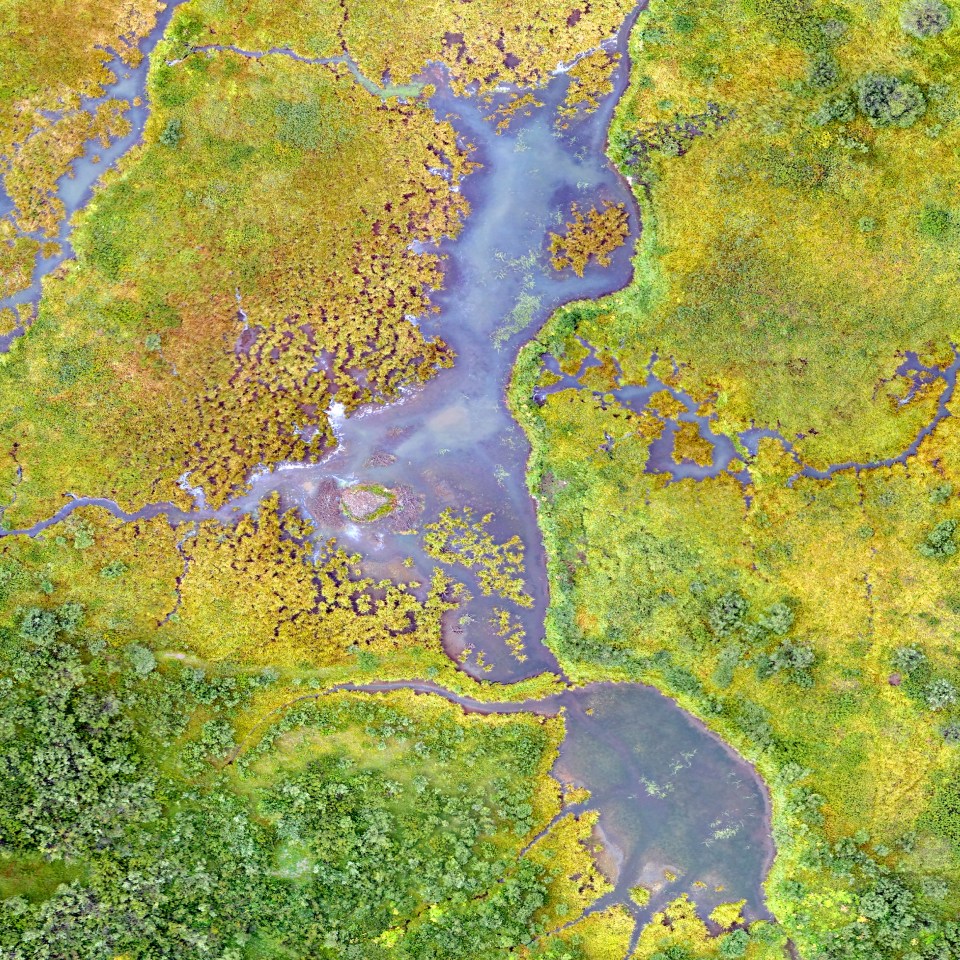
<point x="675" y="801"/>
<point x="680" y="811"/>
<point x="729" y="453"/>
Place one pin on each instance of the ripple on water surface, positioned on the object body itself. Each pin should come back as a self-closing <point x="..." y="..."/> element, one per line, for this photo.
<point x="674" y="801"/>
<point x="680" y="811"/>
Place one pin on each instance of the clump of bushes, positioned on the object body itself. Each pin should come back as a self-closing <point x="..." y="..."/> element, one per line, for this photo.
<point x="734" y="944"/>
<point x="794" y="659"/>
<point x="939" y="694"/>
<point x="951" y="732"/>
<point x="824" y="74"/>
<point x="727" y="614"/>
<point x="936" y="223"/>
<point x="172" y="132"/>
<point x="925" y="18"/>
<point x="940" y="543"/>
<point x="907" y="659"/>
<point x="888" y="101"/>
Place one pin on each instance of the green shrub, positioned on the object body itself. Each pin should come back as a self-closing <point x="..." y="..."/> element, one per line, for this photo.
<point x="943" y="813"/>
<point x="841" y="109"/>
<point x="936" y="223"/>
<point x="951" y="732"/>
<point x="925" y="18"/>
<point x="908" y="659"/>
<point x="941" y="494"/>
<point x="727" y="662"/>
<point x="172" y="132"/>
<point x="888" y="101"/>
<point x="727" y="614"/>
<point x="734" y="945"/>
<point x="940" y="543"/>
<point x="114" y="569"/>
<point x="824" y="74"/>
<point x="939" y="694"/>
<point x="778" y="619"/>
<point x="141" y="659"/>
<point x="300" y="125"/>
<point x="933" y="888"/>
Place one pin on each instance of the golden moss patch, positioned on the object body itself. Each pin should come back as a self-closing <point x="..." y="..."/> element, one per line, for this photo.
<point x="595" y="235"/>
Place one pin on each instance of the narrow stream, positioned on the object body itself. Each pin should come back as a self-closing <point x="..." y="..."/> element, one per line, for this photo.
<point x="675" y="801"/>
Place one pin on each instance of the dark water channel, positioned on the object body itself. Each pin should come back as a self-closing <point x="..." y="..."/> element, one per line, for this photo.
<point x="732" y="454"/>
<point x="674" y="799"/>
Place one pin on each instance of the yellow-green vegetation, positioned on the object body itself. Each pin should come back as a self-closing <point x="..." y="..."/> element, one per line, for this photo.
<point x="521" y="105"/>
<point x="677" y="931"/>
<point x="54" y="54"/>
<point x="484" y="43"/>
<point x="457" y="539"/>
<point x="576" y="880"/>
<point x="45" y="155"/>
<point x="690" y="445"/>
<point x="794" y="162"/>
<point x="601" y="935"/>
<point x="144" y="364"/>
<point x="122" y="574"/>
<point x="727" y="914"/>
<point x="51" y="56"/>
<point x="16" y="259"/>
<point x="257" y="592"/>
<point x="640" y="895"/>
<point x="507" y="626"/>
<point x="590" y="81"/>
<point x="814" y="627"/>
<point x="595" y="235"/>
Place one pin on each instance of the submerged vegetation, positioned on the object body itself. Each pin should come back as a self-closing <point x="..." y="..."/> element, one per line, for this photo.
<point x="792" y="163"/>
<point x="459" y="539"/>
<point x="203" y="748"/>
<point x="594" y="235"/>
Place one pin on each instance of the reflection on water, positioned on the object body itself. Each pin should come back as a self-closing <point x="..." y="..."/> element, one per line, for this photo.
<point x="672" y="797"/>
<point x="675" y="801"/>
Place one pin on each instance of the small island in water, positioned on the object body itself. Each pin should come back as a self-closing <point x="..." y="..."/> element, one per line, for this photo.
<point x="477" y="481"/>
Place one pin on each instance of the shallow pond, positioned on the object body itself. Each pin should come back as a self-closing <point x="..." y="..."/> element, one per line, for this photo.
<point x="674" y="800"/>
<point x="680" y="812"/>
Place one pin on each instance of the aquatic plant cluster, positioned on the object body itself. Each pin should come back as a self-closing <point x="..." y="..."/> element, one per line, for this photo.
<point x="227" y="733"/>
<point x="594" y="235"/>
<point x="790" y="160"/>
